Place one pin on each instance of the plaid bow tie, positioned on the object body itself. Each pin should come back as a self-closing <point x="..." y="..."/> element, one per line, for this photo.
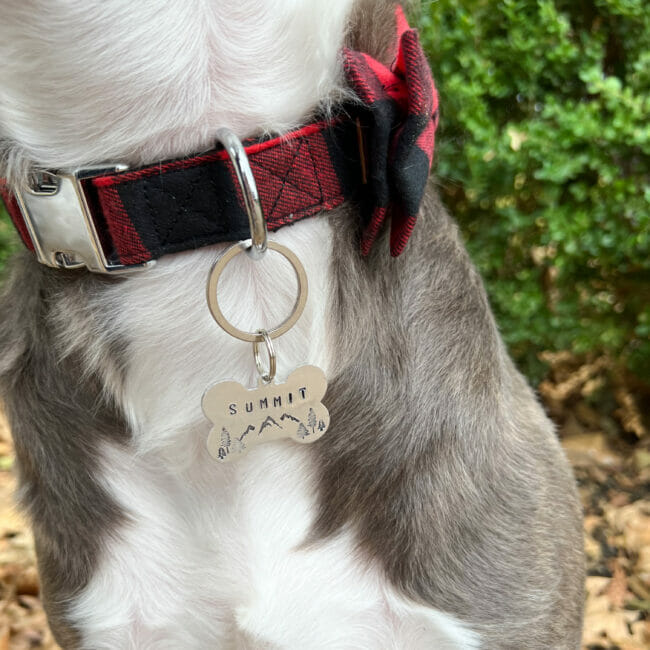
<point x="402" y="107"/>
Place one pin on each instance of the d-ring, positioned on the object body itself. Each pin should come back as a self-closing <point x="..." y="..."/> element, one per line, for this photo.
<point x="235" y="150"/>
<point x="267" y="377"/>
<point x="213" y="287"/>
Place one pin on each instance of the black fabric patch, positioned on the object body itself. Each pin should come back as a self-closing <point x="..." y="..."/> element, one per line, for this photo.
<point x="185" y="208"/>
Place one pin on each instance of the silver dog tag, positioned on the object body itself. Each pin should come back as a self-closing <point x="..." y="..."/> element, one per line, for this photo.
<point x="243" y="418"/>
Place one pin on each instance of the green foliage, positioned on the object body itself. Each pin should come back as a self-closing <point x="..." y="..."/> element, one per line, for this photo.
<point x="544" y="157"/>
<point x="8" y="238"/>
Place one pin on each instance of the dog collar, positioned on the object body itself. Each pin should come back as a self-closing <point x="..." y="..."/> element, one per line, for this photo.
<point x="377" y="152"/>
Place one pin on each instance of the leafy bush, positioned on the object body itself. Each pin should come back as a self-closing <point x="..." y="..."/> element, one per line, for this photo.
<point x="544" y="157"/>
<point x="8" y="238"/>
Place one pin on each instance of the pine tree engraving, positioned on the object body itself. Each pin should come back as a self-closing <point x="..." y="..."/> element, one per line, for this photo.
<point x="311" y="420"/>
<point x="224" y="449"/>
<point x="225" y="438"/>
<point x="302" y="431"/>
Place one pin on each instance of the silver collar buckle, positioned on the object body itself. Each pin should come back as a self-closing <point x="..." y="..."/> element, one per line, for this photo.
<point x="60" y="222"/>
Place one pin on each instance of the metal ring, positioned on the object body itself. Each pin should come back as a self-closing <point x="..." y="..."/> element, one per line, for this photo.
<point x="267" y="377"/>
<point x="235" y="150"/>
<point x="213" y="302"/>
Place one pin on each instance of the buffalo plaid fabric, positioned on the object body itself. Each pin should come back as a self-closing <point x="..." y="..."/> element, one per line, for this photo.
<point x="376" y="152"/>
<point x="401" y="119"/>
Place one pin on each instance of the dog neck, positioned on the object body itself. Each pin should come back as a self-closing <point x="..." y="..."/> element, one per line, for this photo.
<point x="79" y="99"/>
<point x="406" y="87"/>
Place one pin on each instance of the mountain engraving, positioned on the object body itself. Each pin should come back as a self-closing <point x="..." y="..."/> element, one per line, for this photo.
<point x="270" y="412"/>
<point x="268" y="423"/>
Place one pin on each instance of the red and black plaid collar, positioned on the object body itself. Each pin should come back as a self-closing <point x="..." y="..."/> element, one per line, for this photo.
<point x="376" y="152"/>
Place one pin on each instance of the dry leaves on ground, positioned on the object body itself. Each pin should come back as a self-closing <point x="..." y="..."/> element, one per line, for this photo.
<point x="609" y="449"/>
<point x="22" y="621"/>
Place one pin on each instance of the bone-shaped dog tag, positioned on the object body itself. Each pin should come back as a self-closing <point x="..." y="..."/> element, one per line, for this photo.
<point x="243" y="418"/>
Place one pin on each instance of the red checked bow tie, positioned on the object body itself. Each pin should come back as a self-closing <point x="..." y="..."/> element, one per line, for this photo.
<point x="401" y="118"/>
<point x="377" y="152"/>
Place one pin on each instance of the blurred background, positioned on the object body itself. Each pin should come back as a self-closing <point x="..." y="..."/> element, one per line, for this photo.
<point x="543" y="156"/>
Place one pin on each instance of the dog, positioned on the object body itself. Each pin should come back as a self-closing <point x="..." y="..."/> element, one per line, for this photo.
<point x="438" y="510"/>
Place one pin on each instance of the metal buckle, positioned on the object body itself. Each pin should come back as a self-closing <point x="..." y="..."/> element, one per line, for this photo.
<point x="60" y="223"/>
